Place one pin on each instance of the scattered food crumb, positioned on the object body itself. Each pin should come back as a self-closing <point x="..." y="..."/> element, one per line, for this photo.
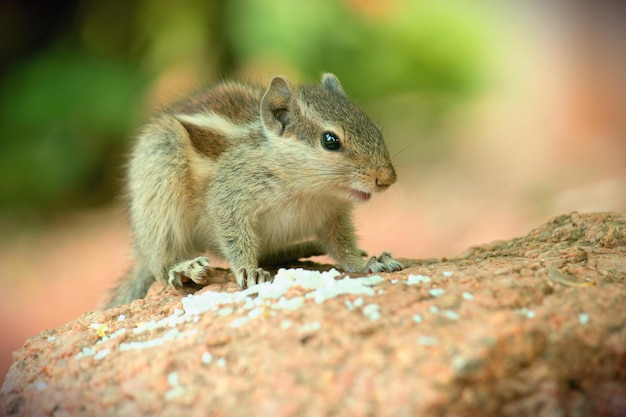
<point x="86" y="351"/>
<point x="175" y="392"/>
<point x="436" y="292"/>
<point x="459" y="362"/>
<point x="583" y="318"/>
<point x="101" y="354"/>
<point x="309" y="327"/>
<point x="207" y="358"/>
<point x="452" y="315"/>
<point x="255" y="313"/>
<point x="289" y="304"/>
<point x="239" y="322"/>
<point x="417" y="279"/>
<point x="372" y="311"/>
<point x="525" y="312"/>
<point x="226" y="311"/>
<point x="173" y="379"/>
<point x="426" y="341"/>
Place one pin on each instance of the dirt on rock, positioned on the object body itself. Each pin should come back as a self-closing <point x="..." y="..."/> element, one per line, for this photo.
<point x="534" y="326"/>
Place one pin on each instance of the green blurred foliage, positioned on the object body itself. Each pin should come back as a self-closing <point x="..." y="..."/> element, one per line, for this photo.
<point x="431" y="47"/>
<point x="62" y="114"/>
<point x="409" y="63"/>
<point x="70" y="102"/>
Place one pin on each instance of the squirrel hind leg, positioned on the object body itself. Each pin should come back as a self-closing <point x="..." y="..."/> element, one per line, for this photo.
<point x="196" y="270"/>
<point x="292" y="253"/>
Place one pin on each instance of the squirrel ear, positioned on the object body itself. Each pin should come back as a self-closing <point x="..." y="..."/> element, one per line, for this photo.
<point x="331" y="82"/>
<point x="278" y="104"/>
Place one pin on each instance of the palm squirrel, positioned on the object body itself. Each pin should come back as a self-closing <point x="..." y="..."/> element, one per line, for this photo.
<point x="256" y="175"/>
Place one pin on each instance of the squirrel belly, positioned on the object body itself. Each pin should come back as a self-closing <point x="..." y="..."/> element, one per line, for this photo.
<point x="256" y="175"/>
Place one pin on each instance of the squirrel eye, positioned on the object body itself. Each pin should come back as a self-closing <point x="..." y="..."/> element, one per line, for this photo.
<point x="330" y="141"/>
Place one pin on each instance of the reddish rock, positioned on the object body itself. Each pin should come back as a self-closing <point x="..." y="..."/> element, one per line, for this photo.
<point x="535" y="326"/>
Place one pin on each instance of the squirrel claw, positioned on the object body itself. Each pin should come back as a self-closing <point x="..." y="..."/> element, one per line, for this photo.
<point x="383" y="263"/>
<point x="247" y="277"/>
<point x="196" y="270"/>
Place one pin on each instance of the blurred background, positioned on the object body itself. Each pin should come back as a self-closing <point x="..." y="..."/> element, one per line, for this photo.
<point x="499" y="115"/>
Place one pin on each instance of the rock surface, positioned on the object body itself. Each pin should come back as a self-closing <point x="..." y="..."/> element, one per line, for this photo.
<point x="535" y="326"/>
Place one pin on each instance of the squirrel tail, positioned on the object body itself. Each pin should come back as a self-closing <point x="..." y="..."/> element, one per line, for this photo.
<point x="132" y="286"/>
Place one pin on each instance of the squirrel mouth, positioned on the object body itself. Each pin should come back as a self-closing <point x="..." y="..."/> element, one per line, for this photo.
<point x="359" y="195"/>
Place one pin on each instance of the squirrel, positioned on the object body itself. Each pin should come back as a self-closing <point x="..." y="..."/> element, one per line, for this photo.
<point x="257" y="175"/>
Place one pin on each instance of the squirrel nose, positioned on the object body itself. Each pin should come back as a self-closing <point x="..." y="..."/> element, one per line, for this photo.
<point x="385" y="177"/>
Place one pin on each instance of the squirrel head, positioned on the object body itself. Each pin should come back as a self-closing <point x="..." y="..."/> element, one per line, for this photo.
<point x="345" y="151"/>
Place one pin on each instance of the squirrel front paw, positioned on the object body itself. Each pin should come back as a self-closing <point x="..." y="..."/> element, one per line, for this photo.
<point x="383" y="263"/>
<point x="247" y="277"/>
<point x="196" y="270"/>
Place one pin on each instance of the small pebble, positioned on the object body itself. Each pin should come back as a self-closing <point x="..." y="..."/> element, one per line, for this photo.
<point x="447" y="274"/>
<point x="41" y="385"/>
<point x="417" y="318"/>
<point x="467" y="296"/>
<point x="221" y="362"/>
<point x="51" y="339"/>
<point x="434" y="309"/>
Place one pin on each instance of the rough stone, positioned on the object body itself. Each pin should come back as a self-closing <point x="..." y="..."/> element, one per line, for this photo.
<point x="534" y="326"/>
